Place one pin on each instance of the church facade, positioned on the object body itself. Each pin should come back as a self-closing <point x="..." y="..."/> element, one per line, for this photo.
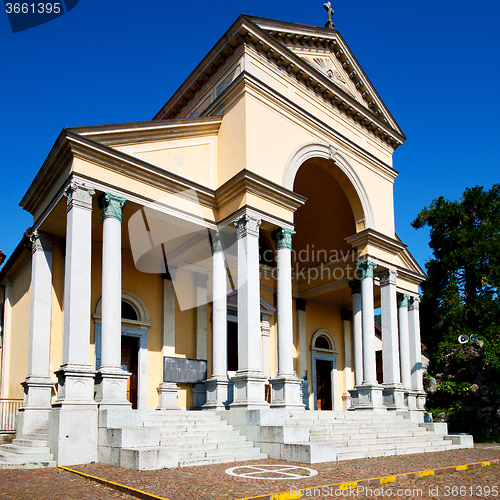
<point x="228" y="255"/>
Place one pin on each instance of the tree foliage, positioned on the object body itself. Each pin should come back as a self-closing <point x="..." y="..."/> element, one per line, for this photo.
<point x="461" y="294"/>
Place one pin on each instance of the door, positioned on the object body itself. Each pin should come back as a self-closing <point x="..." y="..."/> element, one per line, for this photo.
<point x="324" y="384"/>
<point x="130" y="351"/>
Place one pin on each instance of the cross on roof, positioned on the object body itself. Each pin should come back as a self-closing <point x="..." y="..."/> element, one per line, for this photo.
<point x="330" y="11"/>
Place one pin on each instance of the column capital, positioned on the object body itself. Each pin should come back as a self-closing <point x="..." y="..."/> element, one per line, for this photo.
<point x="41" y="242"/>
<point x="403" y="300"/>
<point x="247" y="225"/>
<point x="300" y="304"/>
<point x="355" y="286"/>
<point x="366" y="267"/>
<point x="79" y="195"/>
<point x="217" y="242"/>
<point x="414" y="303"/>
<point x="388" y="277"/>
<point x="112" y="206"/>
<point x="283" y="238"/>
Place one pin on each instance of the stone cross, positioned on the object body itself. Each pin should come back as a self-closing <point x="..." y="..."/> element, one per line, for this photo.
<point x="330" y="11"/>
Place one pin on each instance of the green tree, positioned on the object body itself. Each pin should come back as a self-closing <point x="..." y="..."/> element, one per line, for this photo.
<point x="461" y="294"/>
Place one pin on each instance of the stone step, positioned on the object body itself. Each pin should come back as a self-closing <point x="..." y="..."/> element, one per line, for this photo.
<point x="8" y="456"/>
<point x="23" y="450"/>
<point x="175" y="416"/>
<point x="366" y="430"/>
<point x="193" y="440"/>
<point x="202" y="454"/>
<point x="361" y="436"/>
<point x="27" y="465"/>
<point x="376" y="441"/>
<point x="394" y="447"/>
<point x="29" y="442"/>
<point x="178" y="428"/>
<point x="221" y="460"/>
<point x="219" y="433"/>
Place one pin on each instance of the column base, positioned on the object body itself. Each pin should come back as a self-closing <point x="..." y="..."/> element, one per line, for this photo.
<point x="37" y="392"/>
<point x="249" y="390"/>
<point x="286" y="392"/>
<point x="217" y="394"/>
<point x="199" y="395"/>
<point x="367" y="397"/>
<point x="421" y="400"/>
<point x="394" y="397"/>
<point x="305" y="394"/>
<point x="111" y="388"/>
<point x="31" y="420"/>
<point x="75" y="386"/>
<point x="167" y="396"/>
<point x="346" y="399"/>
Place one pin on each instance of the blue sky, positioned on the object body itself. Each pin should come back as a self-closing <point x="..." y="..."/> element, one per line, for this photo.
<point x="435" y="64"/>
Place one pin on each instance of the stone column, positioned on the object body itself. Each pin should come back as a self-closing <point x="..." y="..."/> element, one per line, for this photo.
<point x="73" y="420"/>
<point x="76" y="375"/>
<point x="346" y="318"/>
<point x="357" y="330"/>
<point x="285" y="391"/>
<point x="404" y="347"/>
<point x="199" y="391"/>
<point x="393" y="390"/>
<point x="416" y="352"/>
<point x="217" y="385"/>
<point x="111" y="379"/>
<point x="249" y="380"/>
<point x="6" y="334"/>
<point x="300" y="318"/>
<point x="369" y="392"/>
<point x="38" y="385"/>
<point x="167" y="391"/>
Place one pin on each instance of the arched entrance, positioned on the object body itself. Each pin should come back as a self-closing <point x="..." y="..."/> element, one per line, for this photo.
<point x="324" y="370"/>
<point x="134" y="346"/>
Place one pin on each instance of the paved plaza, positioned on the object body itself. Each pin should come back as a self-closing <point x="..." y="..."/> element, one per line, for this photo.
<point x="421" y="480"/>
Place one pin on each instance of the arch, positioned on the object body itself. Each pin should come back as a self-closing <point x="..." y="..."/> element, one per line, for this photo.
<point x="328" y="336"/>
<point x="135" y="301"/>
<point x="311" y="150"/>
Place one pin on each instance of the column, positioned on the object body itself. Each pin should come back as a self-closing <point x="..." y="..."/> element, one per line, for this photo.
<point x="416" y="351"/>
<point x="357" y="331"/>
<point x="73" y="421"/>
<point x="249" y="380"/>
<point x="369" y="392"/>
<point x="393" y="390"/>
<point x="38" y="385"/>
<point x="6" y="334"/>
<point x="217" y="385"/>
<point x="167" y="391"/>
<point x="75" y="376"/>
<point x="198" y="391"/>
<point x="346" y="318"/>
<point x="285" y="392"/>
<point x="111" y="379"/>
<point x="404" y="347"/>
<point x="300" y="318"/>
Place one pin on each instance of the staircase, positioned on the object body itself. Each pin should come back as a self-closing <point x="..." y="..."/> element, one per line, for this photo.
<point x="201" y="437"/>
<point x="28" y="452"/>
<point x="370" y="434"/>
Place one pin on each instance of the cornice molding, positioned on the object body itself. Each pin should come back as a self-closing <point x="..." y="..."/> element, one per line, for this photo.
<point x="245" y="32"/>
<point x="249" y="182"/>
<point x="371" y="237"/>
<point x="151" y="131"/>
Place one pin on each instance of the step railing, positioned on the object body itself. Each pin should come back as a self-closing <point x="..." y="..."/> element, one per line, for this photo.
<point x="8" y="412"/>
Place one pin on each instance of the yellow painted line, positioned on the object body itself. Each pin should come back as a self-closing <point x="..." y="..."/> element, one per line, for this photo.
<point x="388" y="479"/>
<point x="485" y="464"/>
<point x="116" y="486"/>
<point x="423" y="473"/>
<point x="348" y="486"/>
<point x="289" y="495"/>
<point x="461" y="467"/>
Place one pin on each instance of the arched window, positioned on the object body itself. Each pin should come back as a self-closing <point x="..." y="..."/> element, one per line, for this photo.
<point x="128" y="311"/>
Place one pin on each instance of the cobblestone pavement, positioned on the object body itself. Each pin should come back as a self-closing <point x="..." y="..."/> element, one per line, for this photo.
<point x="212" y="482"/>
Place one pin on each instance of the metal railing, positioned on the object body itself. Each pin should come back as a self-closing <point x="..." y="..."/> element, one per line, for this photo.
<point x="8" y="412"/>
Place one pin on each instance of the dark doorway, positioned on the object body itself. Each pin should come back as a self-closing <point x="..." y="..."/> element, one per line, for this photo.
<point x="130" y="351"/>
<point x="324" y="384"/>
<point x="232" y="346"/>
<point x="380" y="370"/>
